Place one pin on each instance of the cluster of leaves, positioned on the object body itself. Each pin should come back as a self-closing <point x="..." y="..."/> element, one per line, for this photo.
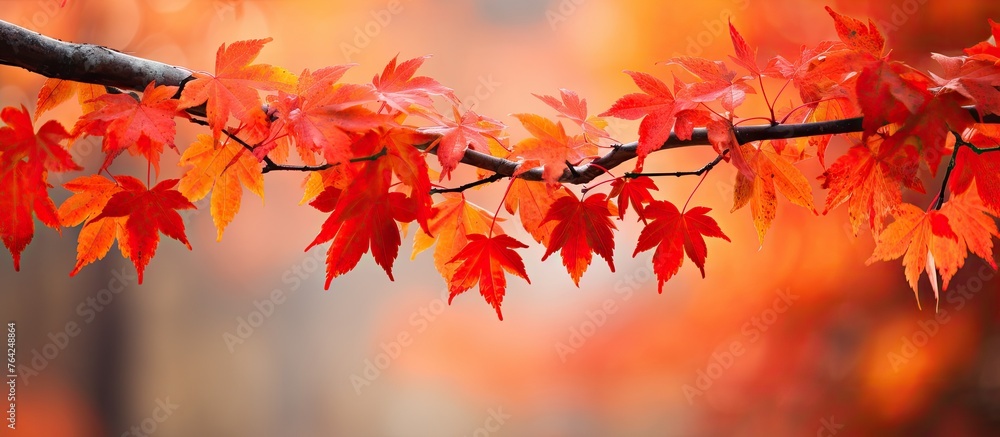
<point x="263" y="118"/>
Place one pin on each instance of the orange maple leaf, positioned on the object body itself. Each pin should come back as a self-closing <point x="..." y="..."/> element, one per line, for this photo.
<point x="771" y="170"/>
<point x="582" y="228"/>
<point x="673" y="233"/>
<point x="550" y="147"/>
<point x="451" y="222"/>
<point x="56" y="91"/>
<point x="233" y="90"/>
<point x="148" y="212"/>
<point x="532" y="201"/>
<point x="142" y="127"/>
<point x="483" y="260"/>
<point x="926" y="242"/>
<point x="90" y="195"/>
<point x="224" y="169"/>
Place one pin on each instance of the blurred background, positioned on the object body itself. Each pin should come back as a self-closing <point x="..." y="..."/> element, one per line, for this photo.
<point x="238" y="338"/>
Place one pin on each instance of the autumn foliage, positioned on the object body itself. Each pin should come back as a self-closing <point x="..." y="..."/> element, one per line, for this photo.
<point x="364" y="148"/>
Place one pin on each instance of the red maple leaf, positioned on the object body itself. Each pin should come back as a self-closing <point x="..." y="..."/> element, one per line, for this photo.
<point x="26" y="158"/>
<point x="870" y="178"/>
<point x="657" y="109"/>
<point x="232" y="91"/>
<point x="987" y="49"/>
<point x="718" y="83"/>
<point x="398" y="88"/>
<point x="483" y="261"/>
<point x="857" y="36"/>
<point x="574" y="108"/>
<point x="582" y="228"/>
<point x="362" y="218"/>
<point x="984" y="169"/>
<point x="323" y="116"/>
<point x="468" y="131"/>
<point x="890" y="92"/>
<point x="746" y="56"/>
<point x="149" y="212"/>
<point x="634" y="191"/>
<point x="142" y="127"/>
<point x="673" y="233"/>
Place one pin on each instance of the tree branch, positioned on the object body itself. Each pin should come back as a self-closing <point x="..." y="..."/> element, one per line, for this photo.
<point x="99" y="65"/>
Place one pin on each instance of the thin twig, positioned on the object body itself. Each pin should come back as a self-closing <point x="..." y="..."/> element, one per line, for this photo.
<point x="496" y="177"/>
<point x="708" y="167"/>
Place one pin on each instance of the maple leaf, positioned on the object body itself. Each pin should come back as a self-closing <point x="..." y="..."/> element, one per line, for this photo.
<point x="90" y="195"/>
<point x="23" y="192"/>
<point x="398" y="88"/>
<point x="655" y="106"/>
<point x="926" y="242"/>
<point x="746" y="56"/>
<point x="983" y="169"/>
<point x="26" y="158"/>
<point x="232" y="91"/>
<point x="582" y="229"/>
<point x="550" y="147"/>
<point x="574" y="108"/>
<point x="974" y="228"/>
<point x="722" y="135"/>
<point x="142" y="127"/>
<point x="532" y="201"/>
<point x="771" y="170"/>
<point x="673" y="233"/>
<point x="929" y="130"/>
<point x="322" y="115"/>
<point x="468" y="131"/>
<point x="224" y="169"/>
<point x="56" y="91"/>
<point x="149" y="212"/>
<point x="634" y="191"/>
<point x="452" y="221"/>
<point x="717" y="83"/>
<point x="972" y="78"/>
<point x="870" y="178"/>
<point x="483" y="260"/>
<point x="890" y="92"/>
<point x="362" y="218"/>
<point x="857" y="36"/>
<point x="987" y="49"/>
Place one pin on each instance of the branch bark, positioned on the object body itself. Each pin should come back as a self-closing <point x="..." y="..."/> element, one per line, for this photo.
<point x="99" y="65"/>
